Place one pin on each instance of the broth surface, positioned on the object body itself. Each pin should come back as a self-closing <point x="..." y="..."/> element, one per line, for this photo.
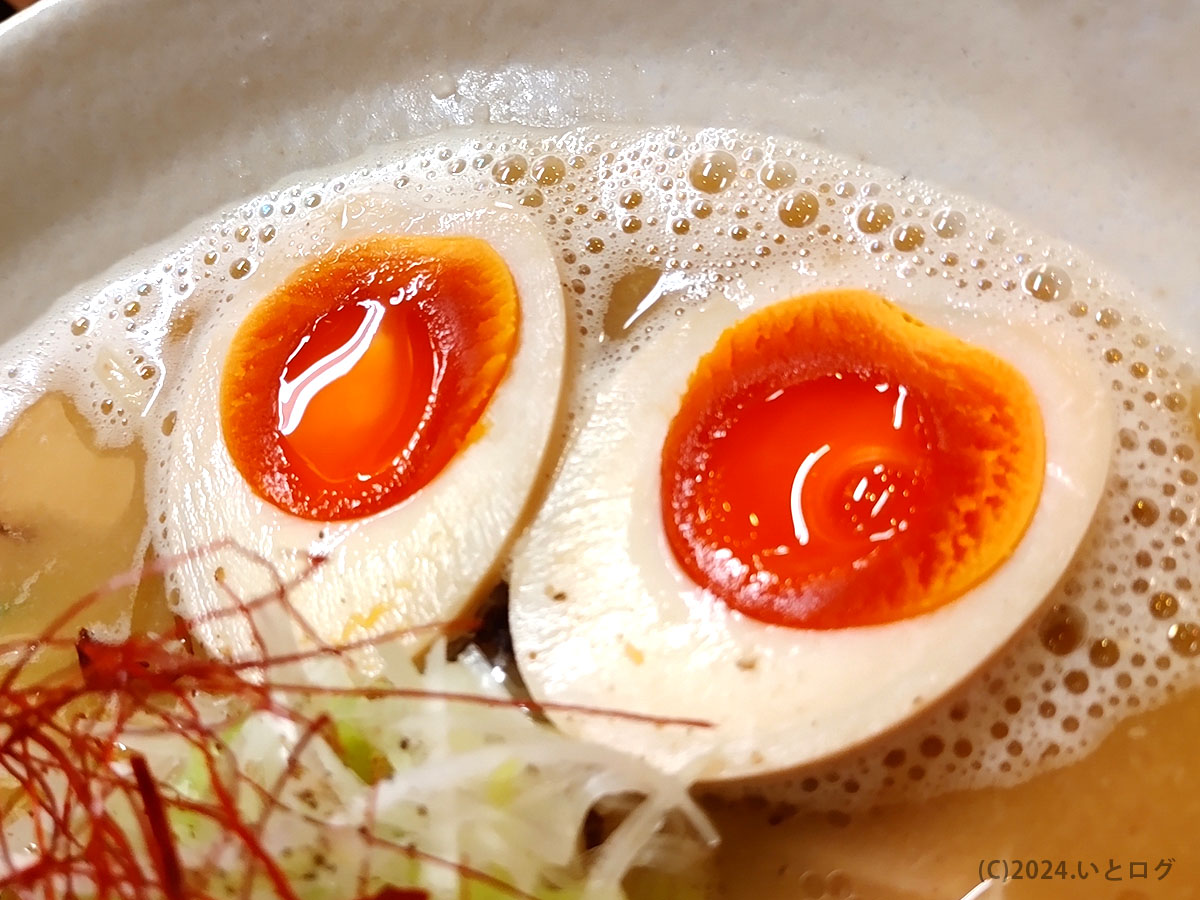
<point x="1047" y="753"/>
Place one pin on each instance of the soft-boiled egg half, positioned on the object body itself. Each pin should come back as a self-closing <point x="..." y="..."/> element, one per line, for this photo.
<point x="803" y="521"/>
<point x="360" y="424"/>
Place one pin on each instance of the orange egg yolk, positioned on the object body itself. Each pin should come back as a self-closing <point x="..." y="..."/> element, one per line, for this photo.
<point x="356" y="381"/>
<point x="835" y="462"/>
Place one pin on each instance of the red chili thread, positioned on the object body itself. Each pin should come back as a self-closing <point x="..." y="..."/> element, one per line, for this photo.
<point x="158" y="836"/>
<point x="61" y="741"/>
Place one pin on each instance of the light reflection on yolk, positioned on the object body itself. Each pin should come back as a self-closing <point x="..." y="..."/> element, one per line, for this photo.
<point x="836" y="463"/>
<point x="862" y="485"/>
<point x="355" y="382"/>
<point x="372" y="389"/>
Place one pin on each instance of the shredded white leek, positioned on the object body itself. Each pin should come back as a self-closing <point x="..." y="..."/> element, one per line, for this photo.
<point x="437" y="785"/>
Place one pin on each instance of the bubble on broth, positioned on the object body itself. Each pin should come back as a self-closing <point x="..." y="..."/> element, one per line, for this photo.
<point x="646" y="227"/>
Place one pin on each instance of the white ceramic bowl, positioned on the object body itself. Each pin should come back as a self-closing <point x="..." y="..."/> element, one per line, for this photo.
<point x="122" y="120"/>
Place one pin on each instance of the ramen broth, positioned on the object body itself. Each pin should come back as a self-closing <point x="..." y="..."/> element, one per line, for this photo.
<point x="1076" y="745"/>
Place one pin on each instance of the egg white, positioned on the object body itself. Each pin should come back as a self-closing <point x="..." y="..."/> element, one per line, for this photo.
<point x="602" y="614"/>
<point x="422" y="561"/>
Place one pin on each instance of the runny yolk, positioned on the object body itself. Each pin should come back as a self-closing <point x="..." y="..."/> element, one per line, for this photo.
<point x="356" y="381"/>
<point x="834" y="462"/>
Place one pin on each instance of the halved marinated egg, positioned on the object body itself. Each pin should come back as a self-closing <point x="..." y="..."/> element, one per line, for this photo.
<point x="361" y="423"/>
<point x="803" y="522"/>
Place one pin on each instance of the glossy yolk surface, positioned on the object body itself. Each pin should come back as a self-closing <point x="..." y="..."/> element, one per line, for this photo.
<point x="834" y="462"/>
<point x="354" y="383"/>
